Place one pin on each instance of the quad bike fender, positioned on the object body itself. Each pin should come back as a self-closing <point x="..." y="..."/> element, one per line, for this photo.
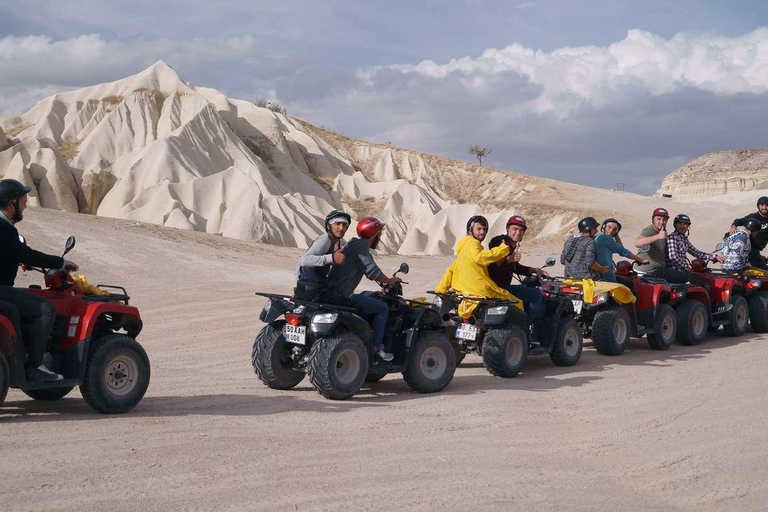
<point x="7" y="336"/>
<point x="353" y="323"/>
<point x="82" y="322"/>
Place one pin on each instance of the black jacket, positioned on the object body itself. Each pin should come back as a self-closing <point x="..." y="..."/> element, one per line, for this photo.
<point x="761" y="239"/>
<point x="13" y="252"/>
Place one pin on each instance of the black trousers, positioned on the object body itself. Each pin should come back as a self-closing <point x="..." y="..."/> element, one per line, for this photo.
<point x="41" y="314"/>
<point x="321" y="294"/>
<point x="671" y="275"/>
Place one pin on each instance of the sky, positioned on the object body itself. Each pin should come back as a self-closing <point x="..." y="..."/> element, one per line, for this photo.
<point x="593" y="92"/>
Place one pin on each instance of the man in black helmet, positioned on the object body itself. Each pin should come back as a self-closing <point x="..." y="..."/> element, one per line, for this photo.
<point x="580" y="252"/>
<point x="679" y="246"/>
<point x="760" y="239"/>
<point x="315" y="265"/>
<point x="38" y="310"/>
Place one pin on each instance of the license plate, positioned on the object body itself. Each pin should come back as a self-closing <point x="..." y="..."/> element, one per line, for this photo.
<point x="466" y="332"/>
<point x="577" y="304"/>
<point x="295" y="334"/>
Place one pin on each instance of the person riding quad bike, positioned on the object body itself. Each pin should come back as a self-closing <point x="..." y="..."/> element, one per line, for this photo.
<point x="679" y="246"/>
<point x="468" y="274"/>
<point x="580" y="252"/>
<point x="39" y="311"/>
<point x="737" y="248"/>
<point x="608" y="243"/>
<point x="654" y="237"/>
<point x="315" y="265"/>
<point x="760" y="240"/>
<point x="502" y="271"/>
<point x="343" y="279"/>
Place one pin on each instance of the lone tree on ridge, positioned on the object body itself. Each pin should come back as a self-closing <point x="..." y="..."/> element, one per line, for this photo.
<point x="479" y="152"/>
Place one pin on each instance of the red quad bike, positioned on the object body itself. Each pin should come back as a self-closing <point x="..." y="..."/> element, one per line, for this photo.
<point x="92" y="344"/>
<point x="726" y="305"/>
<point x="611" y="324"/>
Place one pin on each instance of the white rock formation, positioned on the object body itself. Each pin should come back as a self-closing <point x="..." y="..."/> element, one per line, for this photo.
<point x="722" y="172"/>
<point x="153" y="148"/>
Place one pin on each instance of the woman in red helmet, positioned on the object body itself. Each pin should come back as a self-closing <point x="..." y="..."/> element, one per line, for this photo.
<point x="343" y="279"/>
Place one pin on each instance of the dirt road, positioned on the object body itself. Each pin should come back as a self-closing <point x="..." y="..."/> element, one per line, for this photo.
<point x="676" y="430"/>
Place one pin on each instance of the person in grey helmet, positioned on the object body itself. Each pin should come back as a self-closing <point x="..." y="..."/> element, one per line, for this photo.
<point x="580" y="252"/>
<point x="760" y="239"/>
<point x="315" y="265"/>
<point x="39" y="311"/>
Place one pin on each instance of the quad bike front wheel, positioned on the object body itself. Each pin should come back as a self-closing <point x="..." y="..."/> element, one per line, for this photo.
<point x="505" y="351"/>
<point x="566" y="350"/>
<point x="758" y="312"/>
<point x="116" y="374"/>
<point x="665" y="328"/>
<point x="338" y="365"/>
<point x="611" y="329"/>
<point x="5" y="379"/>
<point x="691" y="322"/>
<point x="432" y="364"/>
<point x="271" y="358"/>
<point x="738" y="317"/>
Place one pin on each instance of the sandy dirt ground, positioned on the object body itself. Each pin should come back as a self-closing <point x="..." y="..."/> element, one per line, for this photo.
<point x="677" y="430"/>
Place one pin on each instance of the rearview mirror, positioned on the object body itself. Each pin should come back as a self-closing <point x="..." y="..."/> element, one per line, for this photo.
<point x="404" y="268"/>
<point x="644" y="248"/>
<point x="550" y="262"/>
<point x="719" y="247"/>
<point x="69" y="245"/>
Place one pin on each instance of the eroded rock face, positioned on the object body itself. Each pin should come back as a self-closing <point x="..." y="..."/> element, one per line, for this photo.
<point x="154" y="148"/>
<point x="722" y="172"/>
<point x="4" y="142"/>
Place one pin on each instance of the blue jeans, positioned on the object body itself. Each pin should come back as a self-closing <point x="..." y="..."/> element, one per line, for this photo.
<point x="532" y="298"/>
<point x="380" y="312"/>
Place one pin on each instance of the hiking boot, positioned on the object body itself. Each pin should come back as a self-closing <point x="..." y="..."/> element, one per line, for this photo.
<point x="42" y="374"/>
<point x="384" y="356"/>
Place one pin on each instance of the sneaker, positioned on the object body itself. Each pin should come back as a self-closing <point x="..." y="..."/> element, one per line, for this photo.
<point x="385" y="356"/>
<point x="42" y="374"/>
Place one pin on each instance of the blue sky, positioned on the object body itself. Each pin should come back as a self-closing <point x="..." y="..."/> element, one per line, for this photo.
<point x="593" y="92"/>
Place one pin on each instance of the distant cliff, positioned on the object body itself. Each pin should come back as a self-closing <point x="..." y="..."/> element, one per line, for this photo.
<point x="718" y="173"/>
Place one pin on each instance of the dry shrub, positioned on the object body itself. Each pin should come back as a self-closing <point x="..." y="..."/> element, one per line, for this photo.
<point x="69" y="149"/>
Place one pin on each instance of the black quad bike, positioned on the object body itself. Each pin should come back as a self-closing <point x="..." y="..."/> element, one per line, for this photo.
<point x="333" y="345"/>
<point x="502" y="334"/>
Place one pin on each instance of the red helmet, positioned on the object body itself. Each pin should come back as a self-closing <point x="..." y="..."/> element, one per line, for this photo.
<point x="660" y="212"/>
<point x="517" y="220"/>
<point x="369" y="227"/>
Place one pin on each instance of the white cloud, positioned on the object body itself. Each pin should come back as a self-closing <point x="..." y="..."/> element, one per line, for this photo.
<point x="603" y="74"/>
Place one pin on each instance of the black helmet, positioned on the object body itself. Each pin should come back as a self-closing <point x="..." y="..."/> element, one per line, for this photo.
<point x="609" y="221"/>
<point x="752" y="224"/>
<point x="762" y="200"/>
<point x="587" y="223"/>
<point x="11" y="190"/>
<point x="682" y="218"/>
<point x="337" y="216"/>
<point x="476" y="218"/>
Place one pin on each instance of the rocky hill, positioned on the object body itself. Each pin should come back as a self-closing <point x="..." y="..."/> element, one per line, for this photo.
<point x="722" y="172"/>
<point x="154" y="148"/>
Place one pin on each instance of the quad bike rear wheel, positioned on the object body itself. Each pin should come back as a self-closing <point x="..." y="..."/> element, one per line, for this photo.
<point x="566" y="350"/>
<point x="50" y="394"/>
<point x="505" y="351"/>
<point x="758" y="312"/>
<point x="116" y="374"/>
<point x="5" y="379"/>
<point x="738" y="317"/>
<point x="338" y="365"/>
<point x="665" y="328"/>
<point x="432" y="364"/>
<point x="611" y="329"/>
<point x="271" y="358"/>
<point x="691" y="322"/>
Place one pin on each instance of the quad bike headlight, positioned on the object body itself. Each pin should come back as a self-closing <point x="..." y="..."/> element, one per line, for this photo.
<point x="602" y="298"/>
<point x="754" y="283"/>
<point x="437" y="302"/>
<point x="325" y="318"/>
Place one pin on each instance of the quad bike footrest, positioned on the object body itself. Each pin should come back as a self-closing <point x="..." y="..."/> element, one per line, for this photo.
<point x="66" y="383"/>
